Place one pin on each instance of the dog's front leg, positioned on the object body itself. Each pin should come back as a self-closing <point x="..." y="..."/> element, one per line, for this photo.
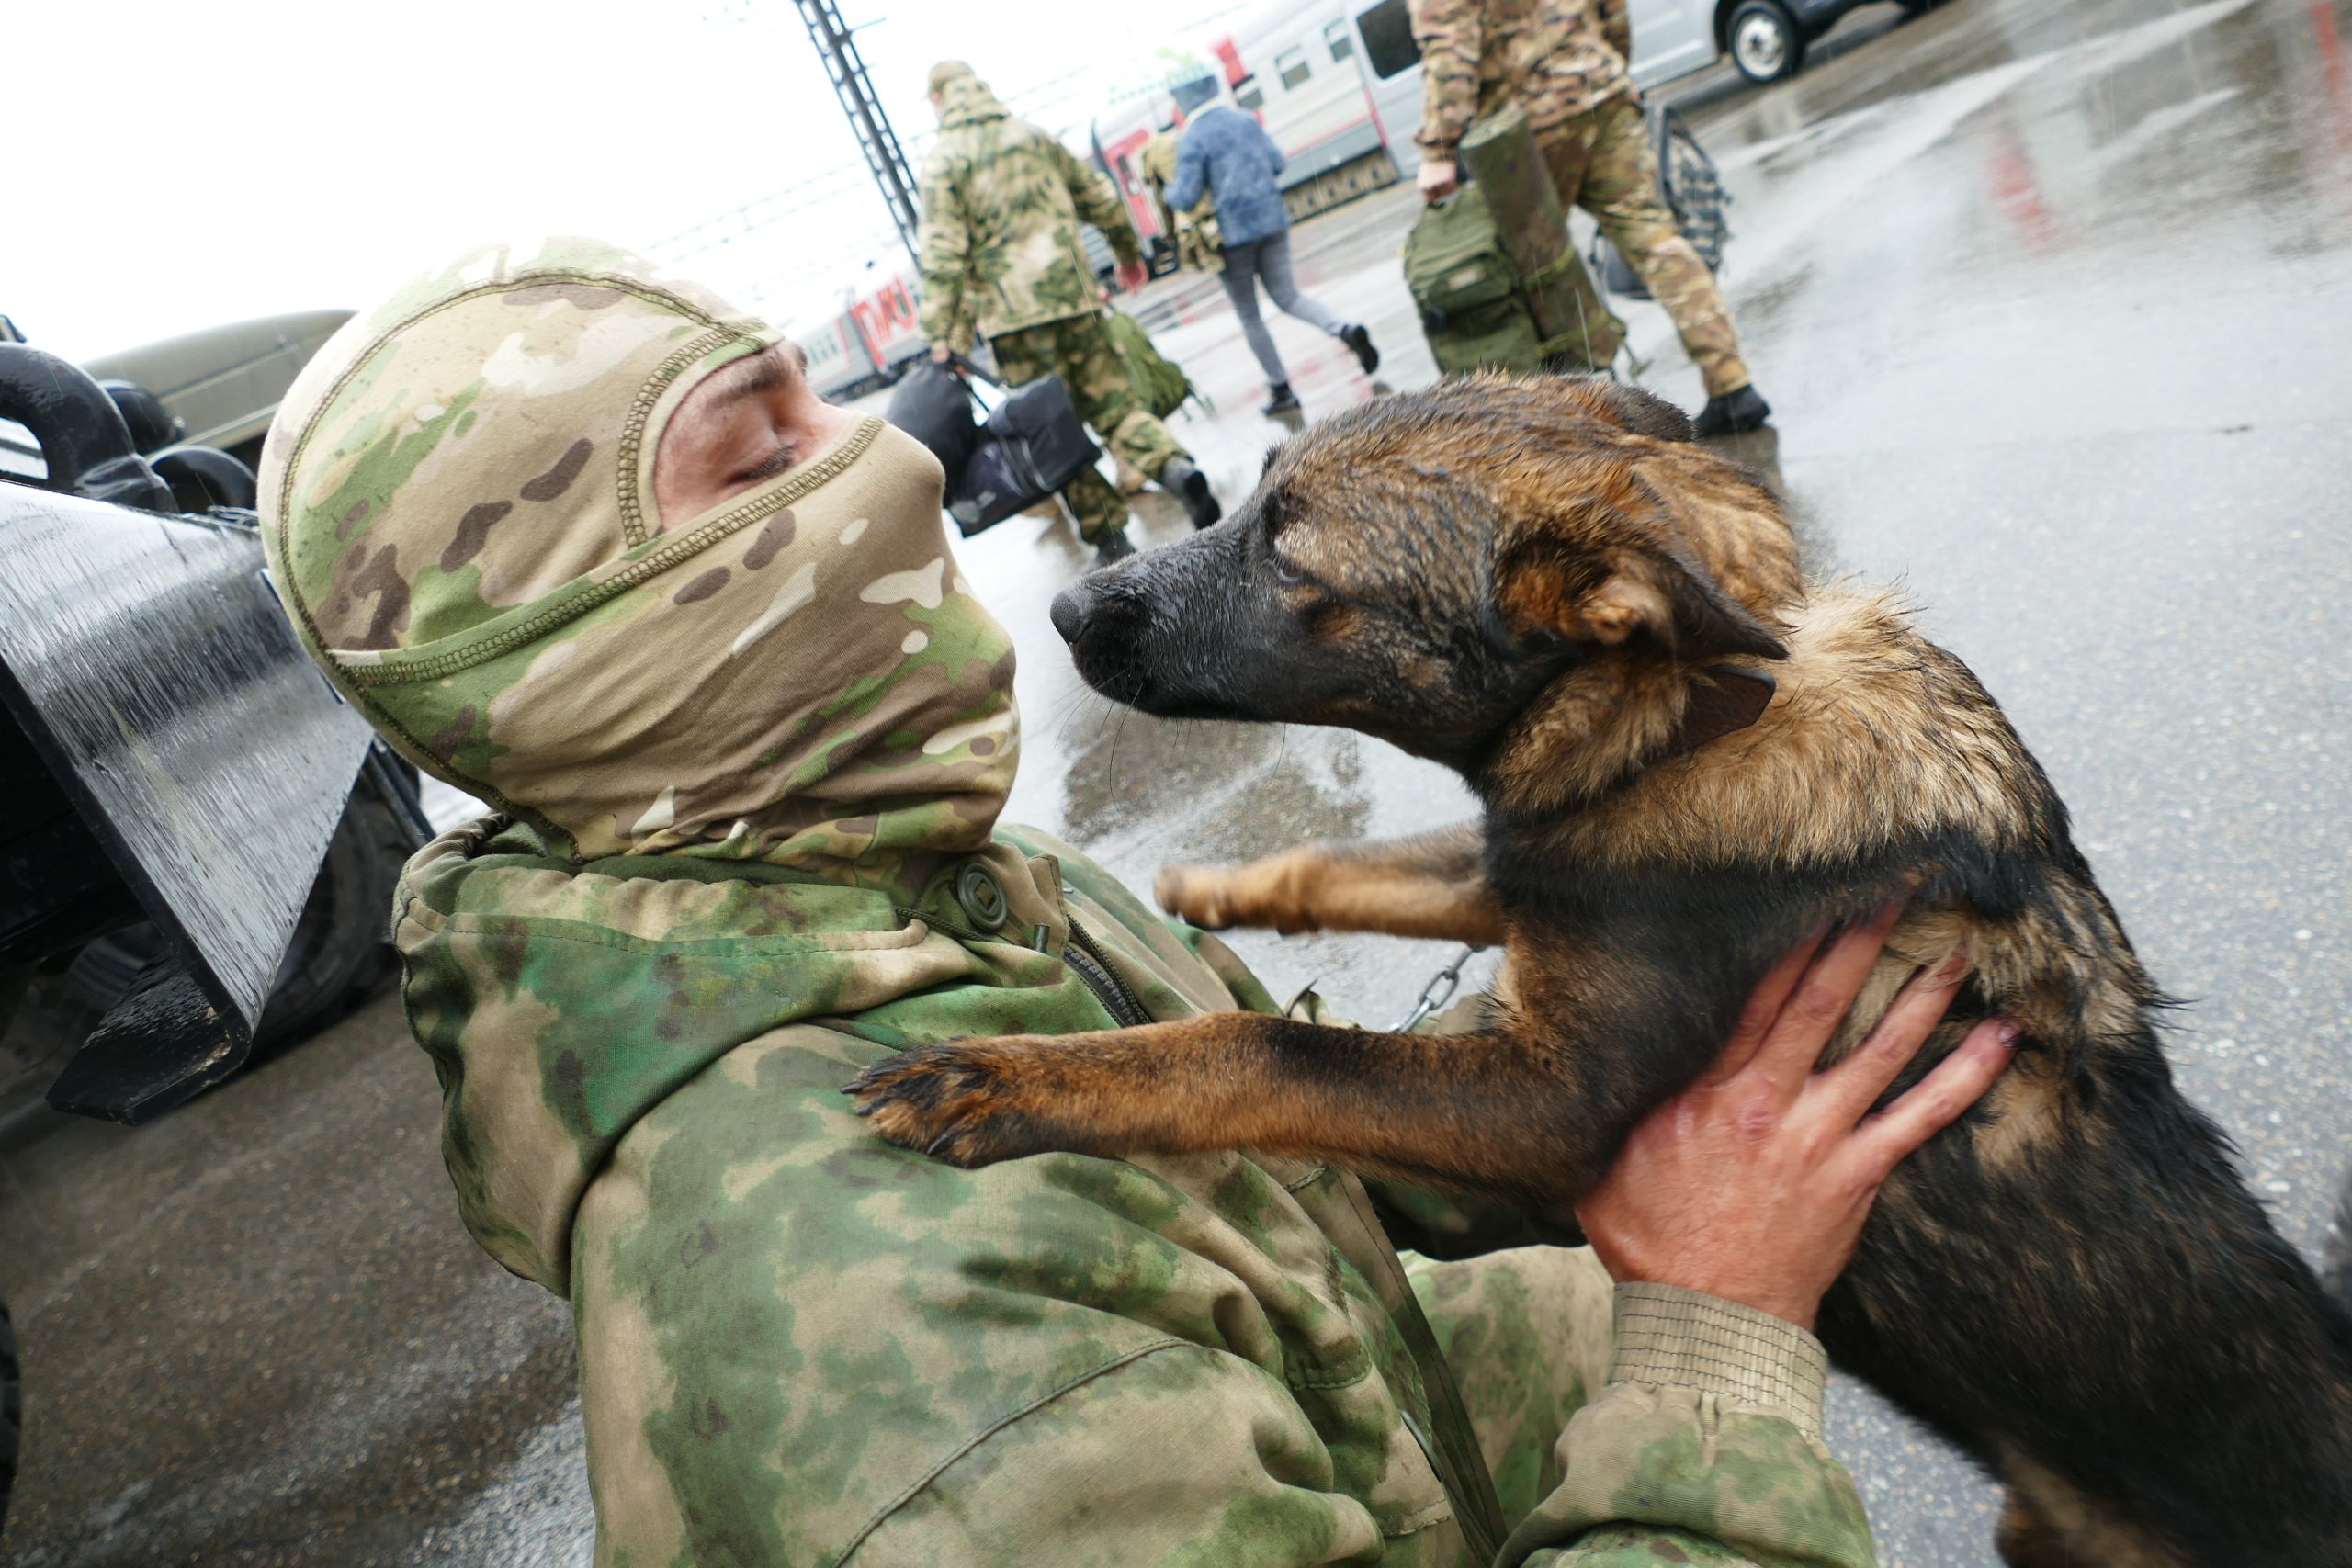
<point x="1433" y="885"/>
<point x="1491" y="1112"/>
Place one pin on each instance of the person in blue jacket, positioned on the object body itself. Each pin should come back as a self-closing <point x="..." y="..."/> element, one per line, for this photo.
<point x="1227" y="155"/>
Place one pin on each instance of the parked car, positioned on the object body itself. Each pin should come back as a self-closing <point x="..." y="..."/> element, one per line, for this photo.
<point x="1767" y="38"/>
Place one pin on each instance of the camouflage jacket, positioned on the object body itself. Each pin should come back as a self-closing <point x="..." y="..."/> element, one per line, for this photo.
<point x="1555" y="59"/>
<point x="1200" y="239"/>
<point x="799" y="1344"/>
<point x="1001" y="205"/>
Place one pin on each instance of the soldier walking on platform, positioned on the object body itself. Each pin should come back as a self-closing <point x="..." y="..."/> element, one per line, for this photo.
<point x="1562" y="62"/>
<point x="1001" y="259"/>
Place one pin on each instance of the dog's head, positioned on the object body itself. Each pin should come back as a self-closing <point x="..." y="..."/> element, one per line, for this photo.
<point x="1421" y="567"/>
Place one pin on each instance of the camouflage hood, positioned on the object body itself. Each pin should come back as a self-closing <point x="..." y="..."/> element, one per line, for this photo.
<point x="966" y="100"/>
<point x="457" y="498"/>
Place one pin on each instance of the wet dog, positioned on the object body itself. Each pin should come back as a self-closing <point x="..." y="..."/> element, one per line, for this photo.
<point x="1688" y="758"/>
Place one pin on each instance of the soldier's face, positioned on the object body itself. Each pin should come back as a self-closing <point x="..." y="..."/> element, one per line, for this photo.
<point x="743" y="426"/>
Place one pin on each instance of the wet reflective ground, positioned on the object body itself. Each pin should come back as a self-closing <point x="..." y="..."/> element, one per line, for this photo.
<point x="2055" y="304"/>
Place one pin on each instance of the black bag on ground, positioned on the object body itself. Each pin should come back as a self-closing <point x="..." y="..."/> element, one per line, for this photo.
<point x="1031" y="446"/>
<point x="934" y="405"/>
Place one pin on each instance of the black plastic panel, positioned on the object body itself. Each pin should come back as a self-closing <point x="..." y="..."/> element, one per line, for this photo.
<point x="150" y="665"/>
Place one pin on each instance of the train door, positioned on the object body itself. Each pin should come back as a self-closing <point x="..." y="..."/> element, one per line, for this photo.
<point x="1392" y="69"/>
<point x="1671" y="38"/>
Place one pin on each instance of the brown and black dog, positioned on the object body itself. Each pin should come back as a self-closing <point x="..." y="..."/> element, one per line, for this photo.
<point x="1689" y="757"/>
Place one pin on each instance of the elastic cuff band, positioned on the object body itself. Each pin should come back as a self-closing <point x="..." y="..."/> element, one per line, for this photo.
<point x="1680" y="1338"/>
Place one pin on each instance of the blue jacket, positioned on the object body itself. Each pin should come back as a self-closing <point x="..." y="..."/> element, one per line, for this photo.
<point x="1232" y="154"/>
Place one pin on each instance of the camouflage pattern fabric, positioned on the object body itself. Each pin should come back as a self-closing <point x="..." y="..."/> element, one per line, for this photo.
<point x="999" y="245"/>
<point x="1555" y="59"/>
<point x="1200" y="244"/>
<point x="1527" y="1333"/>
<point x="1603" y="161"/>
<point x="458" y="500"/>
<point x="802" y="1345"/>
<point x="1079" y="349"/>
<point x="798" y="1344"/>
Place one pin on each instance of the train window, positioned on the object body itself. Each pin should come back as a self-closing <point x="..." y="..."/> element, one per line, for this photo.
<point x="1290" y="66"/>
<point x="1388" y="46"/>
<point x="1247" y="95"/>
<point x="1340" y="40"/>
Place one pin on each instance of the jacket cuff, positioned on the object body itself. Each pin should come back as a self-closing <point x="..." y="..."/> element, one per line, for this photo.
<point x="1680" y="1338"/>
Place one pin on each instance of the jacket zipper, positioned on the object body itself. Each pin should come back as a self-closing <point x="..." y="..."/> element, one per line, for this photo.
<point x="1080" y="953"/>
<point x="1117" y="1000"/>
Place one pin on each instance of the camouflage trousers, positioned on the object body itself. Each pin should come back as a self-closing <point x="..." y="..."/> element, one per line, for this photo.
<point x="1078" y="350"/>
<point x="1527" y="1334"/>
<point x="1603" y="161"/>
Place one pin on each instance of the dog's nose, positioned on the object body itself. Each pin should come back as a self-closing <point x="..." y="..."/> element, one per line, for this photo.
<point x="1071" y="606"/>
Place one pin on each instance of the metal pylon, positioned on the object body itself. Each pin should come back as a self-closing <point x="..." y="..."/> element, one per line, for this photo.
<point x="855" y="89"/>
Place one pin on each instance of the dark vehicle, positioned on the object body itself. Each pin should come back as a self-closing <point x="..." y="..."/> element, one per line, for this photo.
<point x="198" y="839"/>
<point x="1767" y="38"/>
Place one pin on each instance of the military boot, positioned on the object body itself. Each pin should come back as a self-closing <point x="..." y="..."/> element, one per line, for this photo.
<point x="1113" y="547"/>
<point x="1189" y="485"/>
<point x="1735" y="413"/>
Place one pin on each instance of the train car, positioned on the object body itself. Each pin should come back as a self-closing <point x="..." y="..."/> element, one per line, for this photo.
<point x="866" y="344"/>
<point x="1343" y="130"/>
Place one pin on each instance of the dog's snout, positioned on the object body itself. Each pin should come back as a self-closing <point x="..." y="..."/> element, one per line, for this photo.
<point x="1071" y="607"/>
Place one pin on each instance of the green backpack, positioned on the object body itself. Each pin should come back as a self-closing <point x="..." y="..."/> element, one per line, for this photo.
<point x="1158" y="381"/>
<point x="1470" y="294"/>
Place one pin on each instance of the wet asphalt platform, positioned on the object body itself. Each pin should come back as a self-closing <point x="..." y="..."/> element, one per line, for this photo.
<point x="2055" y="303"/>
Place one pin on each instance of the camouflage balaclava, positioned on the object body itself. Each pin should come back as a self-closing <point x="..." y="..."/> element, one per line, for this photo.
<point x="458" y="505"/>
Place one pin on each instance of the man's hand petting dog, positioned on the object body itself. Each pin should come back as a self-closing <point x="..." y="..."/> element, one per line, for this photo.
<point x="1752" y="1184"/>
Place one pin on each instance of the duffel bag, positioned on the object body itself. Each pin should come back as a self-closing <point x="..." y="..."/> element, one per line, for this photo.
<point x="1466" y="289"/>
<point x="1033" y="444"/>
<point x="934" y="404"/>
<point x="1157" y="381"/>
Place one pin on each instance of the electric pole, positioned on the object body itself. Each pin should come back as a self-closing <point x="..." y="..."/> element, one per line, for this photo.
<point x="855" y="89"/>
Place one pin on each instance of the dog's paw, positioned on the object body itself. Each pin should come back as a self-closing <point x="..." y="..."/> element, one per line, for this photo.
<point x="1197" y="894"/>
<point x="955" y="1102"/>
<point x="1265" y="893"/>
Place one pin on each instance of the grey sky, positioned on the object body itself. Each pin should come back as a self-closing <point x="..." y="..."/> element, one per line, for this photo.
<point x="257" y="156"/>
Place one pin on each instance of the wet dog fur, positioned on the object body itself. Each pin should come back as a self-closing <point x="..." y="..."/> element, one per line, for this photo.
<point x="1538" y="582"/>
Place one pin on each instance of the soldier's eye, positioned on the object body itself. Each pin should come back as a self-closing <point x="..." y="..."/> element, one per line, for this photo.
<point x="777" y="462"/>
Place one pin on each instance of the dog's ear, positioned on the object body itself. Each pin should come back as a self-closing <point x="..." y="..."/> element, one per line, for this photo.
<point x="1641" y="413"/>
<point x="1545" y="586"/>
<point x="1630" y="409"/>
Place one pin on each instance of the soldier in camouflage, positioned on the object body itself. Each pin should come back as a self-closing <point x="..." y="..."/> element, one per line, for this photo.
<point x="1001" y="259"/>
<point x="1564" y="64"/>
<point x="579" y="539"/>
<point x="1200" y="244"/>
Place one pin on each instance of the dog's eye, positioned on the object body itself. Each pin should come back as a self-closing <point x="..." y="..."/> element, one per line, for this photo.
<point x="1288" y="575"/>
